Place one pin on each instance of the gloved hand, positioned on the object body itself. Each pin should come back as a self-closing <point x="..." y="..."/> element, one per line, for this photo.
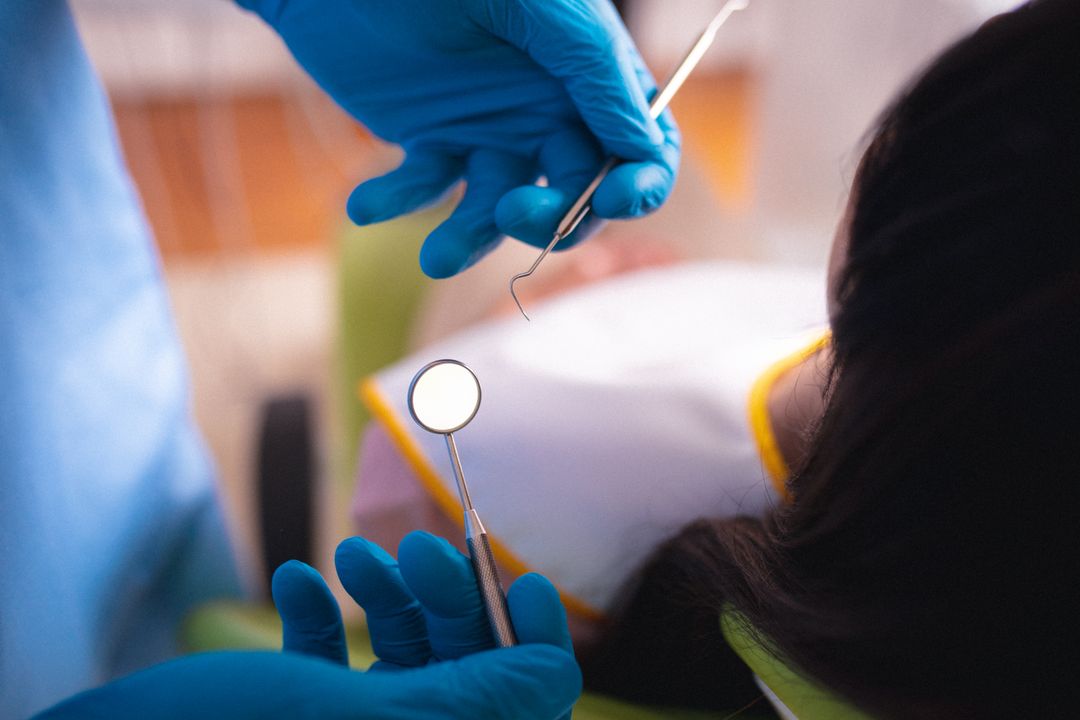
<point x="428" y="610"/>
<point x="498" y="92"/>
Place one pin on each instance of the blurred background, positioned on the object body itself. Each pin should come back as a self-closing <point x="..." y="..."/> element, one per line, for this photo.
<point x="244" y="166"/>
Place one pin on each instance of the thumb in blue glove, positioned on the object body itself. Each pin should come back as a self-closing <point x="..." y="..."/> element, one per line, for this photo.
<point x="498" y="92"/>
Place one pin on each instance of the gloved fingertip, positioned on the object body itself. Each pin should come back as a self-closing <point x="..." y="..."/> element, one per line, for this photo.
<point x="354" y="550"/>
<point x="452" y="248"/>
<point x="294" y="580"/>
<point x="438" y="574"/>
<point x="538" y="613"/>
<point x="302" y="597"/>
<point x="419" y="545"/>
<point x="531" y="213"/>
<point x="366" y="207"/>
<point x="371" y="576"/>
<point x="294" y="566"/>
<point x="633" y="190"/>
<point x="439" y="262"/>
<point x="535" y="585"/>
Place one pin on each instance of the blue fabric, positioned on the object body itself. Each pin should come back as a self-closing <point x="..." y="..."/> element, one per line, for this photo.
<point x="109" y="525"/>
<point x="427" y="625"/>
<point x="497" y="92"/>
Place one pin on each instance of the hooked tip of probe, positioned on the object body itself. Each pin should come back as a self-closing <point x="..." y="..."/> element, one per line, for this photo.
<point x="560" y="234"/>
<point x="514" y="294"/>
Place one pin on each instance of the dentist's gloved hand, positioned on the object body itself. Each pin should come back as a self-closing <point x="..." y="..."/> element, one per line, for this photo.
<point x="498" y="92"/>
<point x="422" y="609"/>
<point x="427" y="627"/>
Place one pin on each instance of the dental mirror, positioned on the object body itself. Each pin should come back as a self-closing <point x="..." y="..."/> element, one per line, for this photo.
<point x="443" y="398"/>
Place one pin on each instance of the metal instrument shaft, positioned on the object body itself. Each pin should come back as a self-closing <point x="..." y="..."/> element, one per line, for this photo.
<point x="483" y="559"/>
<point x="581" y="207"/>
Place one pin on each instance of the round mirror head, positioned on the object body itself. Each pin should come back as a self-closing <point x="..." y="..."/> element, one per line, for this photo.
<point x="444" y="396"/>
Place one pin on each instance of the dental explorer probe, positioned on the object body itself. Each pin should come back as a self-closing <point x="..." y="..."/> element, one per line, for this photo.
<point x="443" y="398"/>
<point x="583" y="204"/>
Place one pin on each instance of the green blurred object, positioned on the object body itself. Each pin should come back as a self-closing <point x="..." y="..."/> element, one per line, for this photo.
<point x="246" y="626"/>
<point x="600" y="707"/>
<point x="805" y="699"/>
<point x="380" y="287"/>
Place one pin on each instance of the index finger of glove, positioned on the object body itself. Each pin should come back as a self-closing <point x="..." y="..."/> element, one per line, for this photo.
<point x="394" y="616"/>
<point x="310" y="617"/>
<point x="538" y="613"/>
<point x="443" y="581"/>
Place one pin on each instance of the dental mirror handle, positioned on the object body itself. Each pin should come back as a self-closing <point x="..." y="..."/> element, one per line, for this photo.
<point x="487" y="577"/>
<point x="483" y="560"/>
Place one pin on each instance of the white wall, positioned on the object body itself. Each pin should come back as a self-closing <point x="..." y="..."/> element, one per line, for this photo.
<point x="825" y="68"/>
<point x="166" y="47"/>
<point x="665" y="29"/>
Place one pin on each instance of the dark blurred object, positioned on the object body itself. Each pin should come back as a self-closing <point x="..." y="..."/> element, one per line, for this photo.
<point x="285" y="487"/>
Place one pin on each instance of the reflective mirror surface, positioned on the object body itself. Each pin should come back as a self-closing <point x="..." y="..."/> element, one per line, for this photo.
<point x="444" y="396"/>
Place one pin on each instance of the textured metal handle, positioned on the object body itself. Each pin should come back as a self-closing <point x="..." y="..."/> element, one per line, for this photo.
<point x="487" y="577"/>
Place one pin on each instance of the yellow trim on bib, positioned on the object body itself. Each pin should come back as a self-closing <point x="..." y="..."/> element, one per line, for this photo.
<point x="758" y="408"/>
<point x="432" y="482"/>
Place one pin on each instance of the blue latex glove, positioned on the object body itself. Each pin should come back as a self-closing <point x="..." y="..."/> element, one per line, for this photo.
<point x="427" y="627"/>
<point x="499" y="92"/>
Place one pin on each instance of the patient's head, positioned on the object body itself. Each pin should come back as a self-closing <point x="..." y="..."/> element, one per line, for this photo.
<point x="923" y="568"/>
<point x="966" y="199"/>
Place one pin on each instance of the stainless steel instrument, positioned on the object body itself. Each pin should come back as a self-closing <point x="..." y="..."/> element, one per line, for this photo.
<point x="583" y="204"/>
<point x="443" y="398"/>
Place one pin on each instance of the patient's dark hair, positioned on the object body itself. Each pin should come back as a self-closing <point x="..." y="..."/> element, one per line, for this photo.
<point x="927" y="564"/>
